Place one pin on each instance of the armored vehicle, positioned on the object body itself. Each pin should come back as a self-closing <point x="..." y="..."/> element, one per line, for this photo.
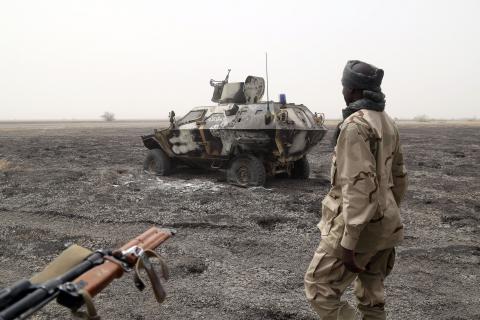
<point x="248" y="138"/>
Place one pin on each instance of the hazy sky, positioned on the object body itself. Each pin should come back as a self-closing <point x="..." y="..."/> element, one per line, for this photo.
<point x="139" y="59"/>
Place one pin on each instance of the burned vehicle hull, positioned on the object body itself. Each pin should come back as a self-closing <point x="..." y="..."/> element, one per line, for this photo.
<point x="250" y="141"/>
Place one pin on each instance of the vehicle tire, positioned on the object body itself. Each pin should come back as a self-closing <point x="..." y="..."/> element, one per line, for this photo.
<point x="157" y="162"/>
<point x="246" y="170"/>
<point x="301" y="169"/>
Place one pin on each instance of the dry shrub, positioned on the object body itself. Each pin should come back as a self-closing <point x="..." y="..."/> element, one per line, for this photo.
<point x="108" y="116"/>
<point x="421" y="118"/>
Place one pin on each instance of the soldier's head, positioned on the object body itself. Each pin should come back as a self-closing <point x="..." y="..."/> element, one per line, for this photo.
<point x="359" y="77"/>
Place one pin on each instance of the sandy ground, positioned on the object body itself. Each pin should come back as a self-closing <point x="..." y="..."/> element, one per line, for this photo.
<point x="239" y="253"/>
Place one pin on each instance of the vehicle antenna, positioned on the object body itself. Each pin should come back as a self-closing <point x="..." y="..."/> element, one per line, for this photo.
<point x="266" y="71"/>
<point x="226" y="78"/>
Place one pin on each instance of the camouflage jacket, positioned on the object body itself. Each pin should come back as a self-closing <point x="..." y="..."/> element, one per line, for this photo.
<point x="368" y="176"/>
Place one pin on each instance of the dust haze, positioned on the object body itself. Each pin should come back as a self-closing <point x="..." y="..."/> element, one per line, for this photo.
<point x="139" y="60"/>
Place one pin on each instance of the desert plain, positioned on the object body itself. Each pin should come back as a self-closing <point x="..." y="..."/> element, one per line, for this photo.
<point x="239" y="253"/>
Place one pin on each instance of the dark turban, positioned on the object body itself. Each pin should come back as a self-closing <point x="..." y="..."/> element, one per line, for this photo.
<point x="362" y="76"/>
<point x="367" y="78"/>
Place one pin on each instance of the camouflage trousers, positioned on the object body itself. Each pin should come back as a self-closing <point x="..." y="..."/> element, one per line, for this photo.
<point x="327" y="278"/>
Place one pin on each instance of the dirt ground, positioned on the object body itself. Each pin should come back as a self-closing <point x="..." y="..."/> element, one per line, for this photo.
<point x="239" y="253"/>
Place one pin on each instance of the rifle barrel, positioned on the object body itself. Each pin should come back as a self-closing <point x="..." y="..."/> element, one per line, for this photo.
<point x="49" y="288"/>
<point x="91" y="275"/>
<point x="7" y="295"/>
<point x="98" y="278"/>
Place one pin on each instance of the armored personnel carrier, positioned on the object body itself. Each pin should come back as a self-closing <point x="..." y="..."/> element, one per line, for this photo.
<point x="248" y="138"/>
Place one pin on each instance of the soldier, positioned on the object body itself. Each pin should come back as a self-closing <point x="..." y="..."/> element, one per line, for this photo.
<point x="360" y="224"/>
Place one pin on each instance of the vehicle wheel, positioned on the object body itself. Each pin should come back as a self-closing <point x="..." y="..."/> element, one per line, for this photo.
<point x="157" y="162"/>
<point x="246" y="170"/>
<point x="301" y="169"/>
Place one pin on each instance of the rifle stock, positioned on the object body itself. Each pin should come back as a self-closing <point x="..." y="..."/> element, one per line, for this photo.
<point x="99" y="277"/>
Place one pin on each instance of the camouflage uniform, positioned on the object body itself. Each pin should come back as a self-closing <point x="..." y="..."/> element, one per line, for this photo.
<point x="361" y="213"/>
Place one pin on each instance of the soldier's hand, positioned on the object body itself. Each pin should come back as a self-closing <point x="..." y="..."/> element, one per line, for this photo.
<point x="348" y="258"/>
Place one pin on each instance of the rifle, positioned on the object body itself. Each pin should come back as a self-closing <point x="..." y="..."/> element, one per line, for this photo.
<point x="78" y="274"/>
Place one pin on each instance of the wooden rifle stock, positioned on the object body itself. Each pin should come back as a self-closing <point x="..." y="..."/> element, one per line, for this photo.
<point x="99" y="277"/>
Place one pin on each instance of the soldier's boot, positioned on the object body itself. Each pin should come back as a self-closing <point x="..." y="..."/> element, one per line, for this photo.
<point x="333" y="309"/>
<point x="369" y="287"/>
<point x="370" y="296"/>
<point x="376" y="312"/>
<point x="325" y="281"/>
<point x="347" y="312"/>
